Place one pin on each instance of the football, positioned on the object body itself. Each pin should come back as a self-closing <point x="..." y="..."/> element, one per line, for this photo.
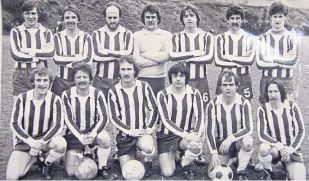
<point x="133" y="170"/>
<point x="221" y="172"/>
<point x="85" y="169"/>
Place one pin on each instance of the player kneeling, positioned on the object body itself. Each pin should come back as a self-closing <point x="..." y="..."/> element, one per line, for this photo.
<point x="229" y="125"/>
<point x="36" y="119"/>
<point x="85" y="118"/>
<point x="280" y="127"/>
<point x="178" y="105"/>
<point x="128" y="101"/>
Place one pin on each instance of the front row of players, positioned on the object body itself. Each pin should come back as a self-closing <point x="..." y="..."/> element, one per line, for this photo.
<point x="38" y="117"/>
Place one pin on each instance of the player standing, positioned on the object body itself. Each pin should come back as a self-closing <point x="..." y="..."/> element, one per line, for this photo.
<point x="235" y="50"/>
<point x="151" y="49"/>
<point x="229" y="125"/>
<point x="277" y="52"/>
<point x="31" y="45"/>
<point x="86" y="117"/>
<point x="281" y="130"/>
<point x="36" y="119"/>
<point x="72" y="46"/>
<point x="177" y="104"/>
<point x="128" y="101"/>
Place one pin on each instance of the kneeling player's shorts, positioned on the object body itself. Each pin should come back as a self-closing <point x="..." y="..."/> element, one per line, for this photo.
<point x="167" y="143"/>
<point x="201" y="85"/>
<point x="126" y="144"/>
<point x="297" y="156"/>
<point x="73" y="142"/>
<point x="104" y="84"/>
<point x="287" y="82"/>
<point x="232" y="151"/>
<point x="60" y="85"/>
<point x="244" y="88"/>
<point x="21" y="81"/>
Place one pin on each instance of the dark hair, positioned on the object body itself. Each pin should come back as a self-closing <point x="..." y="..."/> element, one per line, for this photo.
<point x="278" y="8"/>
<point x="280" y="86"/>
<point x="130" y="60"/>
<point x="192" y="9"/>
<point x="72" y="8"/>
<point x="41" y="71"/>
<point x="83" y="67"/>
<point x="228" y="77"/>
<point x="235" y="10"/>
<point x="30" y="5"/>
<point x="112" y="4"/>
<point x="152" y="9"/>
<point x="179" y="68"/>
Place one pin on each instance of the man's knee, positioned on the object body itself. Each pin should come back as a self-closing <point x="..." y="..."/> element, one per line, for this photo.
<point x="297" y="171"/>
<point x="167" y="171"/>
<point x="247" y="143"/>
<point x="103" y="139"/>
<point x="264" y="150"/>
<point x="58" y="144"/>
<point x="146" y="144"/>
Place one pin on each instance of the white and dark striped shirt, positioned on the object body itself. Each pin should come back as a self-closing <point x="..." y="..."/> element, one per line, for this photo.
<point x="119" y="43"/>
<point x="282" y="47"/>
<point x="177" y="113"/>
<point x="36" y="119"/>
<point x="183" y="43"/>
<point x="66" y="49"/>
<point x="286" y="127"/>
<point x="38" y="41"/>
<point x="223" y="121"/>
<point x="235" y="52"/>
<point x="127" y="109"/>
<point x="84" y="114"/>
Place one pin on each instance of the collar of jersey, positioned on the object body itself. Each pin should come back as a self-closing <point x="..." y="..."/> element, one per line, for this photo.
<point x="138" y="83"/>
<point x="286" y="105"/>
<point x="189" y="90"/>
<point x="146" y="32"/>
<point x="23" y="27"/>
<point x="74" y="92"/>
<point x="31" y="92"/>
<point x="285" y="31"/>
<point x="80" y="33"/>
<point x="241" y="32"/>
<point x="119" y="29"/>
<point x="200" y="31"/>
<point x="220" y="101"/>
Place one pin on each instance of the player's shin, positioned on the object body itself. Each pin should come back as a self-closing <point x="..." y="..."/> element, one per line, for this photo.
<point x="53" y="156"/>
<point x="103" y="154"/>
<point x="243" y="159"/>
<point x="192" y="153"/>
<point x="266" y="161"/>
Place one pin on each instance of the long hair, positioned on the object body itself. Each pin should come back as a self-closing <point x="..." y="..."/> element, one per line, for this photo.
<point x="280" y="86"/>
<point x="192" y="9"/>
<point x="179" y="68"/>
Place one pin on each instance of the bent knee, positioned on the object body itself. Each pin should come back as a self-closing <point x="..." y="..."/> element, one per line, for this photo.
<point x="58" y="144"/>
<point x="103" y="139"/>
<point x="167" y="172"/>
<point x="247" y="143"/>
<point x="146" y="144"/>
<point x="264" y="149"/>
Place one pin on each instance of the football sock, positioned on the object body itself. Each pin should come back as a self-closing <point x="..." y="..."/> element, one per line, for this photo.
<point x="188" y="158"/>
<point x="148" y="157"/>
<point x="243" y="159"/>
<point x="53" y="156"/>
<point x="103" y="156"/>
<point x="266" y="161"/>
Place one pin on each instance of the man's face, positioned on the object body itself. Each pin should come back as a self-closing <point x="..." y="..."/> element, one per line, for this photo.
<point x="228" y="86"/>
<point x="126" y="72"/>
<point x="31" y="18"/>
<point x="277" y="21"/>
<point x="41" y="84"/>
<point x="178" y="80"/>
<point x="234" y="22"/>
<point x="190" y="19"/>
<point x="70" y="20"/>
<point x="151" y="21"/>
<point x="112" y="18"/>
<point x="273" y="93"/>
<point x="82" y="80"/>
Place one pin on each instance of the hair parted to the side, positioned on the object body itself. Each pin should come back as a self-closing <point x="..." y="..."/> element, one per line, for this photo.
<point x="192" y="9"/>
<point x="179" y="68"/>
<point x="112" y="4"/>
<point x="152" y="9"/>
<point x="235" y="10"/>
<point x="41" y="71"/>
<point x="30" y="5"/>
<point x="228" y="77"/>
<point x="278" y="7"/>
<point x="130" y="60"/>
<point x="83" y="67"/>
<point x="72" y="8"/>
<point x="280" y="86"/>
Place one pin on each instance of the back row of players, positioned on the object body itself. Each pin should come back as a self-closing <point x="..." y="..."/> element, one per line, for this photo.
<point x="37" y="116"/>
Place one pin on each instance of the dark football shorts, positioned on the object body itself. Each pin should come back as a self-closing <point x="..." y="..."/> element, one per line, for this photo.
<point x="232" y="151"/>
<point x="104" y="84"/>
<point x="167" y="143"/>
<point x="60" y="85"/>
<point x="126" y="144"/>
<point x="21" y="81"/>
<point x="201" y="85"/>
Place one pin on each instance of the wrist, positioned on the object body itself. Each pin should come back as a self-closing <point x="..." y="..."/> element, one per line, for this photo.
<point x="184" y="134"/>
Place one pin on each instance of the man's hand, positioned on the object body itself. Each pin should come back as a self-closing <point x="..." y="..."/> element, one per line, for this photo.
<point x="34" y="152"/>
<point x="198" y="53"/>
<point x="215" y="161"/>
<point x="224" y="148"/>
<point x="86" y="139"/>
<point x="38" y="145"/>
<point x="148" y="131"/>
<point x="79" y="56"/>
<point x="286" y="159"/>
<point x="287" y="151"/>
<point x="193" y="136"/>
<point x="137" y="132"/>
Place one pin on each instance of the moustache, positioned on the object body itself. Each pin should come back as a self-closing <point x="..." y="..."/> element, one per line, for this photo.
<point x="82" y="83"/>
<point x="234" y="24"/>
<point x="71" y="23"/>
